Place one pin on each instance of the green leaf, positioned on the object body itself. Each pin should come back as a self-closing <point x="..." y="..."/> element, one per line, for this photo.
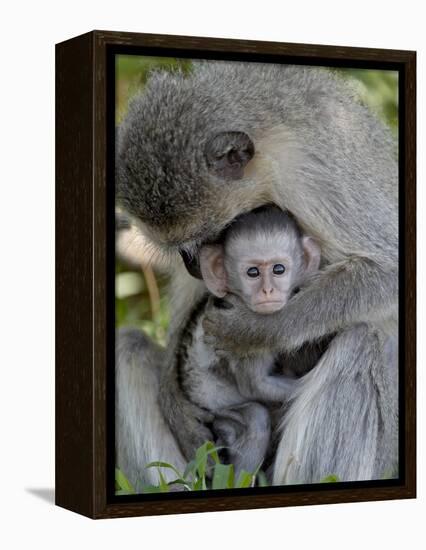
<point x="160" y="464"/>
<point x="261" y="479"/>
<point x="223" y="476"/>
<point x="213" y="451"/>
<point x="198" y="484"/>
<point x="198" y="466"/>
<point x="330" y="479"/>
<point x="202" y="454"/>
<point x="190" y="469"/>
<point x="122" y="483"/>
<point x="201" y="459"/>
<point x="180" y="482"/>
<point x="245" y="479"/>
<point x="164" y="487"/>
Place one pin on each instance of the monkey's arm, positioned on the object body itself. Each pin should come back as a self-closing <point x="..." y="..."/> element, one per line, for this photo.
<point x="351" y="291"/>
<point x="272" y="388"/>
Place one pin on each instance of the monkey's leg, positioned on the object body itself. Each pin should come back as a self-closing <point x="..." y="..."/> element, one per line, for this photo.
<point x="142" y="435"/>
<point x="343" y="417"/>
<point x="245" y="431"/>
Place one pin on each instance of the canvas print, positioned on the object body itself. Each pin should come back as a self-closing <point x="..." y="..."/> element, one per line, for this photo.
<point x="256" y="275"/>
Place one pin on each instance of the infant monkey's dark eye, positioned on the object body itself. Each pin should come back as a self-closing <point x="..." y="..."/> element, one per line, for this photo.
<point x="253" y="272"/>
<point x="278" y="269"/>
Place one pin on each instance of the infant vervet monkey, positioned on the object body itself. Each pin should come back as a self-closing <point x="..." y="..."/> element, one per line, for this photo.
<point x="263" y="257"/>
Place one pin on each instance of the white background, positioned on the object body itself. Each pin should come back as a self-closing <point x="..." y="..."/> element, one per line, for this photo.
<point x="28" y="33"/>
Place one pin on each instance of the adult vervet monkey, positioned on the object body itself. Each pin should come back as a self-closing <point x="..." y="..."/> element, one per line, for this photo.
<point x="196" y="151"/>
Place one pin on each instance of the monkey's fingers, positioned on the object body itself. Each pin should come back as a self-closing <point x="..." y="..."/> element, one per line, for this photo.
<point x="193" y="413"/>
<point x="219" y="350"/>
<point x="225" y="432"/>
<point x="209" y="337"/>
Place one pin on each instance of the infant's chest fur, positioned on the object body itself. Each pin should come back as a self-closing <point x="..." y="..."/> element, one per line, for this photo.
<point x="209" y="380"/>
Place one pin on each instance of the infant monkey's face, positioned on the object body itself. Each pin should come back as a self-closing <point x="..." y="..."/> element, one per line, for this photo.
<point x="265" y="285"/>
<point x="264" y="281"/>
<point x="262" y="267"/>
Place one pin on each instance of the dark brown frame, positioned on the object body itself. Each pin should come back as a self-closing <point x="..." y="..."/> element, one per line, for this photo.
<point x="82" y="350"/>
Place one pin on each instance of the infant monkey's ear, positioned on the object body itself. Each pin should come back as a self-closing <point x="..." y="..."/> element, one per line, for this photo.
<point x="213" y="269"/>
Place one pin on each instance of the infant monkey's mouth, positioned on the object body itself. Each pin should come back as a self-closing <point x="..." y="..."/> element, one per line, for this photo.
<point x="268" y="307"/>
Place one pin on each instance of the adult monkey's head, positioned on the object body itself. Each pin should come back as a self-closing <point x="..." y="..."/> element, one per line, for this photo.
<point x="185" y="161"/>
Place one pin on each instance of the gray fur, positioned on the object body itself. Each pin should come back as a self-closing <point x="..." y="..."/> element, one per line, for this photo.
<point x="329" y="161"/>
<point x="220" y="384"/>
<point x="138" y="369"/>
<point x="245" y="432"/>
<point x="353" y="396"/>
<point x="228" y="386"/>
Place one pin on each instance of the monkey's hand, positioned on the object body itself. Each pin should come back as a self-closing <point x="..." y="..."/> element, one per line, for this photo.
<point x="225" y="325"/>
<point x="186" y="420"/>
<point x="238" y="330"/>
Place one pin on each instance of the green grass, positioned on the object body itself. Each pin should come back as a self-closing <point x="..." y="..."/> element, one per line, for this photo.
<point x="204" y="472"/>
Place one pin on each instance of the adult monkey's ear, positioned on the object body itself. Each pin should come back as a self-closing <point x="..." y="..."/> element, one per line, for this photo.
<point x="213" y="269"/>
<point x="227" y="154"/>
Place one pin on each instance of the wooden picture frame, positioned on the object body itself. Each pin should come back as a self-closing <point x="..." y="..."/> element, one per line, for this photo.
<point x="84" y="282"/>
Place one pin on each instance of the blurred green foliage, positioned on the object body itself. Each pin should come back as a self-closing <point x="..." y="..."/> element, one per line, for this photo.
<point x="378" y="90"/>
<point x="135" y="304"/>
